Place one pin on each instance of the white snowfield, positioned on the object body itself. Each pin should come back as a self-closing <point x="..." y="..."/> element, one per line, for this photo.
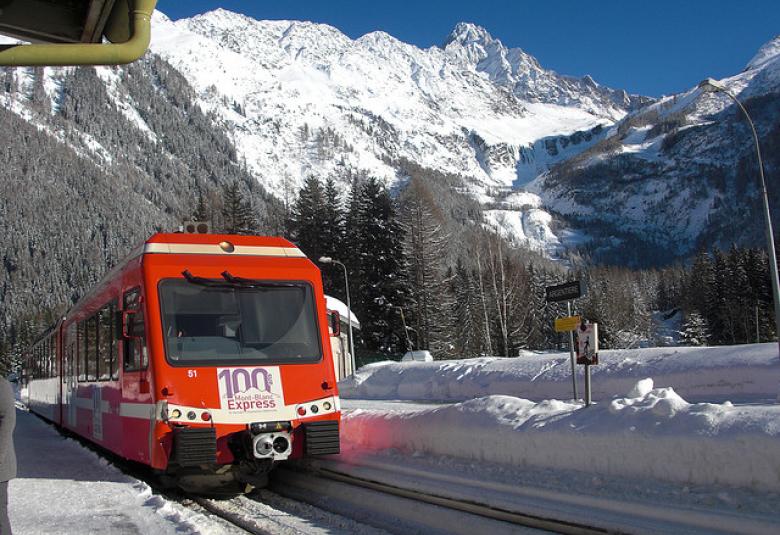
<point x="652" y="434"/>
<point x="736" y="373"/>
<point x="635" y="430"/>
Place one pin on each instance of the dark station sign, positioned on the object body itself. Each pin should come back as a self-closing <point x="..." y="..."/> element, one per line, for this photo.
<point x="563" y="292"/>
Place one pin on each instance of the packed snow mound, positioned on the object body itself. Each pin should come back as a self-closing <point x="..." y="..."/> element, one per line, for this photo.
<point x="736" y="373"/>
<point x="661" y="402"/>
<point x="657" y="435"/>
<point x="641" y="388"/>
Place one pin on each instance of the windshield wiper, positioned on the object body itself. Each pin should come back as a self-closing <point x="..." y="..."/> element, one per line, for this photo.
<point x="256" y="283"/>
<point x="211" y="283"/>
<point x="232" y="281"/>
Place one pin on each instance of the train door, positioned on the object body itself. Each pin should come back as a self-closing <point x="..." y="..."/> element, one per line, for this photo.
<point x="137" y="400"/>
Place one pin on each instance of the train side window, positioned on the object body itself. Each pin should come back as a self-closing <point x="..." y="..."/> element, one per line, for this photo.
<point x="105" y="342"/>
<point x="90" y="359"/>
<point x="94" y="354"/>
<point x="49" y="359"/>
<point x="81" y="368"/>
<point x="136" y="357"/>
<point x="114" y="341"/>
<point x="54" y="356"/>
<point x="70" y="354"/>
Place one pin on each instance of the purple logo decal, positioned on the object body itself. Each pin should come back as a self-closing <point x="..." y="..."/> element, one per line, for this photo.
<point x="250" y="389"/>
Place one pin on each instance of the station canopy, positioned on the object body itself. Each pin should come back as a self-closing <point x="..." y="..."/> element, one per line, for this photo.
<point x="75" y="32"/>
<point x="58" y="21"/>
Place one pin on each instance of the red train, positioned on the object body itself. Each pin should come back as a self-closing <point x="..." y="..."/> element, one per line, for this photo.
<point x="205" y="357"/>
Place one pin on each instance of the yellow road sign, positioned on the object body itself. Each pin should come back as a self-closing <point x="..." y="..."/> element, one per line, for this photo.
<point x="567" y="324"/>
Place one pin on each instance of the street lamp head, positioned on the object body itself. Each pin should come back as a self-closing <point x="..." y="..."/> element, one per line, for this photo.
<point x="326" y="260"/>
<point x="711" y="86"/>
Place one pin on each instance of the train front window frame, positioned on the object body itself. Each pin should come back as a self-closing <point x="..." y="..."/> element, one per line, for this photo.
<point x="229" y="327"/>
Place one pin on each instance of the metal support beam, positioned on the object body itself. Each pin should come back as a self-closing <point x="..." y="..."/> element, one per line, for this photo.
<point x="54" y="55"/>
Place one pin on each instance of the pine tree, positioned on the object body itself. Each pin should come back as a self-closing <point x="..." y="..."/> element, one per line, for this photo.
<point x="202" y="211"/>
<point x="238" y="214"/>
<point x="429" y="299"/>
<point x="308" y="221"/>
<point x="379" y="264"/>
<point x="694" y="330"/>
<point x="332" y="240"/>
<point x="467" y="332"/>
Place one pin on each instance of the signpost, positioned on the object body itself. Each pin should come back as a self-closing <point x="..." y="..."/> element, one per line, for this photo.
<point x="567" y="291"/>
<point x="588" y="352"/>
<point x="565" y="325"/>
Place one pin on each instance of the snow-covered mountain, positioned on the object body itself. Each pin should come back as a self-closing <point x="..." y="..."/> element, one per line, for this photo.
<point x="677" y="175"/>
<point x="555" y="161"/>
<point x="529" y="81"/>
<point x="302" y="98"/>
<point x="283" y="85"/>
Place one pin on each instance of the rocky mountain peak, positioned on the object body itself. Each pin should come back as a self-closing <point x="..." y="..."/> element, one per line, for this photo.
<point x="466" y="33"/>
<point x="768" y="52"/>
<point x="522" y="74"/>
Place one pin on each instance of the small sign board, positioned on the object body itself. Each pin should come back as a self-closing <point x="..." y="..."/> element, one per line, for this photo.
<point x="588" y="344"/>
<point x="563" y="292"/>
<point x="563" y="325"/>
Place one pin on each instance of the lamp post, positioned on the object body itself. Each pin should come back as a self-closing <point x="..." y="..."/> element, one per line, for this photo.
<point x="713" y="86"/>
<point x="329" y="260"/>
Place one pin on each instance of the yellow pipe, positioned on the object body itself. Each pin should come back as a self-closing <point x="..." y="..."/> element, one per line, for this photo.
<point x="55" y="55"/>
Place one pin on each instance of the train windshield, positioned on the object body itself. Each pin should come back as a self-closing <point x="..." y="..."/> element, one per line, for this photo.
<point x="233" y="324"/>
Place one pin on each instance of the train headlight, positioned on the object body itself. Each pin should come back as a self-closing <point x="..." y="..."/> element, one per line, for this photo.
<point x="264" y="446"/>
<point x="191" y="415"/>
<point x="327" y="406"/>
<point x="281" y="445"/>
<point x="175" y="413"/>
<point x="314" y="409"/>
<point x="302" y="411"/>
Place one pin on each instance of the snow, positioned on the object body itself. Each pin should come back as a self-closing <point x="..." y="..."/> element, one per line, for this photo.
<point x="642" y="458"/>
<point x="769" y="52"/>
<point x="655" y="435"/>
<point x="385" y="98"/>
<point x="528" y="228"/>
<point x="745" y="373"/>
<point x="339" y="306"/>
<point x="64" y="488"/>
<point x="518" y="412"/>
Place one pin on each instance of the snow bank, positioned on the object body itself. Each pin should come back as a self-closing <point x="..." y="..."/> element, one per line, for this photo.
<point x="63" y="487"/>
<point x="654" y="434"/>
<point x="736" y="373"/>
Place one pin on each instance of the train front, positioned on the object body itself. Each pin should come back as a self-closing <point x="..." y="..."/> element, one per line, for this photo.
<point x="242" y="371"/>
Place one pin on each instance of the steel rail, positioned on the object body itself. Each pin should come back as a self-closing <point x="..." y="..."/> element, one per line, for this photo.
<point x="463" y="506"/>
<point x="230" y="517"/>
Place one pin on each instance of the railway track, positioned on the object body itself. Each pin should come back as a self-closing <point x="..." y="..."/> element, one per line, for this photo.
<point x="405" y="510"/>
<point x="266" y="513"/>
<point x="403" y="499"/>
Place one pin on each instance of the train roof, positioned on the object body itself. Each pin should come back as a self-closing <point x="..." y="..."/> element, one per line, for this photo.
<point x="215" y="244"/>
<point x="221" y="244"/>
<point x="180" y="237"/>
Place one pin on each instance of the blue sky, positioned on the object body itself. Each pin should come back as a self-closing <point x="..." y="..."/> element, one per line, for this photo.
<point x="652" y="48"/>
